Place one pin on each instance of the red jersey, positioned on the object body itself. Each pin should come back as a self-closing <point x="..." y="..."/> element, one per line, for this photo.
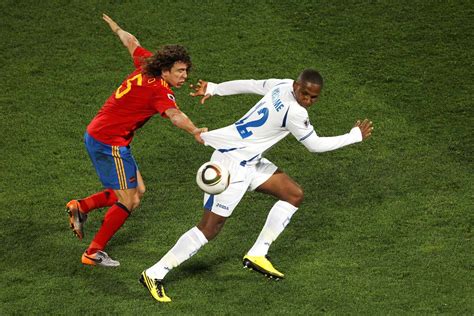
<point x="136" y="100"/>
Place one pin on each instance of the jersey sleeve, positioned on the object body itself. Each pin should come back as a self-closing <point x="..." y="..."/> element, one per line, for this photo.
<point x="139" y="54"/>
<point x="251" y="86"/>
<point x="299" y="125"/>
<point x="164" y="99"/>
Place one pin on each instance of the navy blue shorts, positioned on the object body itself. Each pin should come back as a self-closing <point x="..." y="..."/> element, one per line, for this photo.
<point x="114" y="165"/>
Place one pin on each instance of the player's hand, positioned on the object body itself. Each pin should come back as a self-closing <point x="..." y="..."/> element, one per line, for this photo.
<point x="366" y="127"/>
<point x="113" y="26"/>
<point x="200" y="90"/>
<point x="197" y="134"/>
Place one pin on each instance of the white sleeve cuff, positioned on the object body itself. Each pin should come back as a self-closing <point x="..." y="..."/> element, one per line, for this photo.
<point x="356" y="133"/>
<point x="211" y="88"/>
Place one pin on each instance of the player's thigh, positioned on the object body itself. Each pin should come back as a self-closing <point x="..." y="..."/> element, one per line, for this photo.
<point x="283" y="187"/>
<point x="114" y="165"/>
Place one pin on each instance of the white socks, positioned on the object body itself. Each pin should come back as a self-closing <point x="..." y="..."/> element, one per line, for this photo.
<point x="277" y="219"/>
<point x="186" y="246"/>
<point x="191" y="241"/>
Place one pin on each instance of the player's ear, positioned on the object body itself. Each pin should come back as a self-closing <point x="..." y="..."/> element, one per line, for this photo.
<point x="296" y="85"/>
<point x="165" y="74"/>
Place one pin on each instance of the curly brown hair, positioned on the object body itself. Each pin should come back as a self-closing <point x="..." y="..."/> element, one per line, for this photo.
<point x="164" y="59"/>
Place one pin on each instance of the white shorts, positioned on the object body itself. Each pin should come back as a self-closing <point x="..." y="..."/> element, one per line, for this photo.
<point x="242" y="179"/>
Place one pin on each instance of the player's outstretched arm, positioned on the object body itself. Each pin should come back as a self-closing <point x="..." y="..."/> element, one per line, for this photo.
<point x="366" y="127"/>
<point x="127" y="39"/>
<point x="181" y="120"/>
<point x="360" y="131"/>
<point x="233" y="87"/>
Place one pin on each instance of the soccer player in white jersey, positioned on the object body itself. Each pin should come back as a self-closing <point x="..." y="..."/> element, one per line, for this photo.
<point x="239" y="147"/>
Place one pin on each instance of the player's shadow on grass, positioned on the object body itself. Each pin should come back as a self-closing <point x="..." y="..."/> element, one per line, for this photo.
<point x="194" y="268"/>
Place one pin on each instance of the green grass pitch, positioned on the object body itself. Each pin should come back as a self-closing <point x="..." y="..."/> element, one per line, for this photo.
<point x="386" y="225"/>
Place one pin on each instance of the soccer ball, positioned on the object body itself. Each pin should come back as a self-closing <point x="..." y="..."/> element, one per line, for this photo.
<point x="213" y="178"/>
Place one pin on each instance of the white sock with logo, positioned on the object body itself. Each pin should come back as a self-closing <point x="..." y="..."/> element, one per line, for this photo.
<point x="277" y="219"/>
<point x="186" y="246"/>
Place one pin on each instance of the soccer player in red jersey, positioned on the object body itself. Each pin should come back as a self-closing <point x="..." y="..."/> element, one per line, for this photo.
<point x="144" y="93"/>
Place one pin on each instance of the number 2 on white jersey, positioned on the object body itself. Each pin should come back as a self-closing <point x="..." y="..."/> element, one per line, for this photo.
<point x="243" y="125"/>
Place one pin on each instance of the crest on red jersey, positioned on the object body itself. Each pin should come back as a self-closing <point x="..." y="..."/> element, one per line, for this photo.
<point x="171" y="97"/>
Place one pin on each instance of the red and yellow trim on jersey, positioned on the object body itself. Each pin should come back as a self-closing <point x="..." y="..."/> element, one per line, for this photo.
<point x="119" y="168"/>
<point x="165" y="84"/>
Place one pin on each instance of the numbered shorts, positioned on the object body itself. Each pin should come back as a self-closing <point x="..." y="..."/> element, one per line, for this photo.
<point x="114" y="165"/>
<point x="242" y="179"/>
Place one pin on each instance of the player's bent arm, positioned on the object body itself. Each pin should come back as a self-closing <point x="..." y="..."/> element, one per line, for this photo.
<point x="128" y="40"/>
<point x="251" y="86"/>
<point x="317" y="144"/>
<point x="181" y="120"/>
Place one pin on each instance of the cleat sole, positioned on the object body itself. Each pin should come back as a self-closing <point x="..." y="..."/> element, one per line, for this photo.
<point x="71" y="223"/>
<point x="248" y="265"/>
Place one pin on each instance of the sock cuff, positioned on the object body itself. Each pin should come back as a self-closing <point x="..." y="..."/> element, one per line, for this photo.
<point x="287" y="207"/>
<point x="200" y="236"/>
<point x="123" y="207"/>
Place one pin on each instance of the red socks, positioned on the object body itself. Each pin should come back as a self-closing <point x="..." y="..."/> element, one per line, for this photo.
<point x="113" y="220"/>
<point x="98" y="200"/>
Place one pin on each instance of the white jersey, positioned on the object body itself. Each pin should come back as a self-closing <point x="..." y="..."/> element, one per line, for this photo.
<point x="275" y="116"/>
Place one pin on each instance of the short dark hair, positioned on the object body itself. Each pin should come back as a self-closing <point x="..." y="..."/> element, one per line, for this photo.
<point x="164" y="59"/>
<point x="311" y="76"/>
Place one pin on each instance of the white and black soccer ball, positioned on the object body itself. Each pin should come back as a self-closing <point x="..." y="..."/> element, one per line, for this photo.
<point x="213" y="178"/>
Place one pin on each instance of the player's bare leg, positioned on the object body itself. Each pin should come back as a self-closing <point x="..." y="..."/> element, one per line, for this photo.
<point x="129" y="198"/>
<point x="283" y="187"/>
<point x="141" y="186"/>
<point x="211" y="224"/>
<point x="290" y="196"/>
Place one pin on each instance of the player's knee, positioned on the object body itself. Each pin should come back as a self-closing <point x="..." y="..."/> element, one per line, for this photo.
<point x="135" y="201"/>
<point x="131" y="202"/>
<point x="141" y="192"/>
